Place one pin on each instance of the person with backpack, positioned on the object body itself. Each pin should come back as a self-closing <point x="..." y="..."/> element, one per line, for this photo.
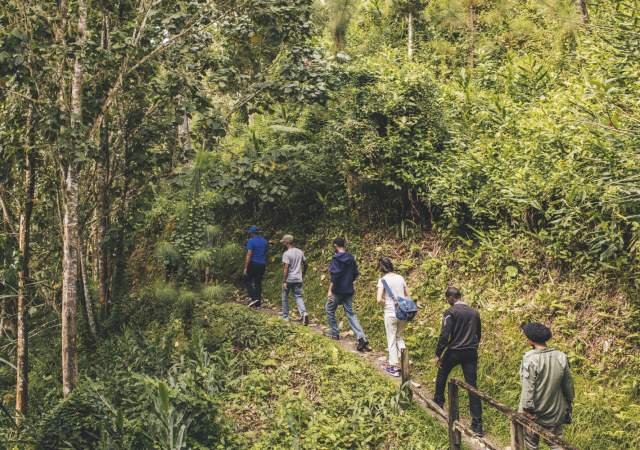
<point x="255" y="263"/>
<point x="390" y="287"/>
<point x="344" y="271"/>
<point x="460" y="336"/>
<point x="294" y="265"/>
<point x="547" y="386"/>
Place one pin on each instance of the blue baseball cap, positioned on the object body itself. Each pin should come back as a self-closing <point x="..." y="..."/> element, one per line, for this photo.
<point x="253" y="229"/>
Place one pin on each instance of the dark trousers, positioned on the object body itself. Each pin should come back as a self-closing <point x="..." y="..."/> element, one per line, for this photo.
<point x="468" y="359"/>
<point x="255" y="272"/>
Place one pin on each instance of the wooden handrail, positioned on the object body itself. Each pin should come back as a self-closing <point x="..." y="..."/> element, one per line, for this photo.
<point x="518" y="421"/>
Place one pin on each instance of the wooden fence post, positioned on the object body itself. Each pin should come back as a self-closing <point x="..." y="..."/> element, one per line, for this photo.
<point x="404" y="371"/>
<point x="455" y="437"/>
<point x="517" y="436"/>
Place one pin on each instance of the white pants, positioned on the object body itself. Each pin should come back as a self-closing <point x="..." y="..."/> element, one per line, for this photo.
<point x="395" y="342"/>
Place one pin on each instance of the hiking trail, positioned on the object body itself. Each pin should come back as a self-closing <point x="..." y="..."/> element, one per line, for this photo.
<point x="377" y="359"/>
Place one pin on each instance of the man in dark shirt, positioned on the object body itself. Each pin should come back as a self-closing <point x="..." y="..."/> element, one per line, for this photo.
<point x="460" y="336"/>
<point x="255" y="263"/>
<point x="344" y="271"/>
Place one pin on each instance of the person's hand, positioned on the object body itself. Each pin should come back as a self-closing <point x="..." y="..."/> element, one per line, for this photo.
<point x="284" y="286"/>
<point x="244" y="272"/>
<point x="529" y="415"/>
<point x="437" y="361"/>
<point x="329" y="297"/>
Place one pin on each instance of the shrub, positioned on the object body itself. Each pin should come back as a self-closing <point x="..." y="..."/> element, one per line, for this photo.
<point x="165" y="292"/>
<point x="216" y="293"/>
<point x="76" y="421"/>
<point x="228" y="261"/>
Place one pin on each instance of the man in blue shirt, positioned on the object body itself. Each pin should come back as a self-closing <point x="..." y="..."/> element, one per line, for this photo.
<point x="344" y="271"/>
<point x="254" y="265"/>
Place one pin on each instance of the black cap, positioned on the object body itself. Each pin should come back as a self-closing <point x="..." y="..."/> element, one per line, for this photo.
<point x="537" y="332"/>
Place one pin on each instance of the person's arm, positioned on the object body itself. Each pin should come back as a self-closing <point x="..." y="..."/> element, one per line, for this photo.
<point x="479" y="329"/>
<point x="356" y="273"/>
<point x="330" y="292"/>
<point x="380" y="297"/>
<point x="305" y="265"/>
<point x="247" y="260"/>
<point x="285" y="274"/>
<point x="528" y="375"/>
<point x="445" y="333"/>
<point x="568" y="390"/>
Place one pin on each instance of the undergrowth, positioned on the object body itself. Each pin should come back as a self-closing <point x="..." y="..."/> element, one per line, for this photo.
<point x="201" y="373"/>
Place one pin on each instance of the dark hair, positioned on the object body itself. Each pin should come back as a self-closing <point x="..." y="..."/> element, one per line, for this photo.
<point x="339" y="242"/>
<point x="385" y="264"/>
<point x="453" y="292"/>
<point x="537" y="332"/>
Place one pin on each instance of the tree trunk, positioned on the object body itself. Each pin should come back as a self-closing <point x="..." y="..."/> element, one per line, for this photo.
<point x="472" y="33"/>
<point x="184" y="134"/>
<point x="69" y="284"/>
<point x="88" y="304"/>
<point x="103" y="209"/>
<point x="24" y="291"/>
<point x="120" y="262"/>
<point x="70" y="237"/>
<point x="410" y="36"/>
<point x="582" y="10"/>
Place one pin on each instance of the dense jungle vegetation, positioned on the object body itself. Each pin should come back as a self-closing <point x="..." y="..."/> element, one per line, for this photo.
<point x="488" y="144"/>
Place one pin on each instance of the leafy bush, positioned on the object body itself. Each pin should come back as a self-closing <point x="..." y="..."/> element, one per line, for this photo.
<point x="228" y="261"/>
<point x="165" y="293"/>
<point x="77" y="421"/>
<point x="216" y="293"/>
<point x="201" y="259"/>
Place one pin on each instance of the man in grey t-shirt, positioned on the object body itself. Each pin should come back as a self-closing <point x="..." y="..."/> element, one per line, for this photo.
<point x="294" y="265"/>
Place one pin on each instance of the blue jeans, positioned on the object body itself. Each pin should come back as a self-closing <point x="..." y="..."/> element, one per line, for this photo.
<point x="346" y="300"/>
<point x="297" y="294"/>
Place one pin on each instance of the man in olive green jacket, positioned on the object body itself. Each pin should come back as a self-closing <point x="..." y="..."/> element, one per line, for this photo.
<point x="547" y="387"/>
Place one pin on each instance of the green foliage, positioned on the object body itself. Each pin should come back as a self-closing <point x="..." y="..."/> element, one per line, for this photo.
<point x="201" y="259"/>
<point x="228" y="261"/>
<point x="167" y="254"/>
<point x="75" y="422"/>
<point x="173" y="425"/>
<point x="185" y="308"/>
<point x="164" y="292"/>
<point x="216" y="293"/>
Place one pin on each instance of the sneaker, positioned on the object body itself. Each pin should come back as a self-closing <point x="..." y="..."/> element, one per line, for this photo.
<point x="305" y="319"/>
<point x="254" y="303"/>
<point x="329" y="334"/>
<point x="393" y="371"/>
<point x="363" y="345"/>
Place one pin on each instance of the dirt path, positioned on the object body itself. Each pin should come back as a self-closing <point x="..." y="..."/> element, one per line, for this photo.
<point x="377" y="359"/>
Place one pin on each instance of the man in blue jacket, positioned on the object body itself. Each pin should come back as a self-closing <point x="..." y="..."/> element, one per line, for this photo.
<point x="255" y="263"/>
<point x="344" y="271"/>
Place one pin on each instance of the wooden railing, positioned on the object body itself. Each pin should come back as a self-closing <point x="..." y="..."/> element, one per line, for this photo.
<point x="519" y="422"/>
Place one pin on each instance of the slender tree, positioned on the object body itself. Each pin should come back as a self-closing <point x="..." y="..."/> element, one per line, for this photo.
<point x="70" y="237"/>
<point x="24" y="240"/>
<point x="409" y="10"/>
